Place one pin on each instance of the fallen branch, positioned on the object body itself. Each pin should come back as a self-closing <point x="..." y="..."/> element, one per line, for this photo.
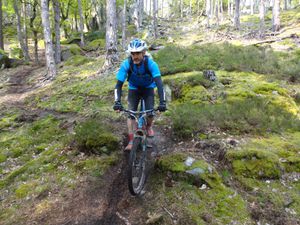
<point x="123" y="218"/>
<point x="274" y="40"/>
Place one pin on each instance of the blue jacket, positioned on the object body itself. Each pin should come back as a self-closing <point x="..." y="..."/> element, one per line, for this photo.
<point x="139" y="78"/>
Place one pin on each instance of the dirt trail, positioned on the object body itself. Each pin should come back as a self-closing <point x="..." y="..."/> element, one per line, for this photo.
<point x="104" y="200"/>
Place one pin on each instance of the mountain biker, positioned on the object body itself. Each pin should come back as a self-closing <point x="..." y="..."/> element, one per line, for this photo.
<point x="143" y="75"/>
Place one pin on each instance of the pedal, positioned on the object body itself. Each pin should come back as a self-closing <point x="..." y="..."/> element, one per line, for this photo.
<point x="149" y="145"/>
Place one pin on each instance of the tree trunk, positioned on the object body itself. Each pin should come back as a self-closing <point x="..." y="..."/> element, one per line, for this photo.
<point x="136" y="15"/>
<point x="20" y="34"/>
<point x="217" y="12"/>
<point x="262" y="18"/>
<point x="51" y="68"/>
<point x="208" y="13"/>
<point x="162" y="8"/>
<point x="111" y="35"/>
<point x="221" y="9"/>
<point x="155" y="18"/>
<point x="285" y="4"/>
<point x="57" y="51"/>
<point x="34" y="31"/>
<point x="228" y="8"/>
<point x="1" y="29"/>
<point x="181" y="8"/>
<point x="24" y="23"/>
<point x="252" y="7"/>
<point x="275" y="18"/>
<point x="65" y="16"/>
<point x="141" y="9"/>
<point x="237" y="15"/>
<point x="124" y="25"/>
<point x="80" y="23"/>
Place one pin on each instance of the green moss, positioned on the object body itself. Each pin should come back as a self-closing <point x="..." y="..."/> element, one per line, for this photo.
<point x="2" y="158"/>
<point x="175" y="163"/>
<point x="196" y="94"/>
<point x="75" y="49"/>
<point x="2" y="52"/>
<point x="77" y="60"/>
<point x="24" y="189"/>
<point x="254" y="163"/>
<point x="217" y="205"/>
<point x="285" y="147"/>
<point x="95" y="45"/>
<point x="274" y="192"/>
<point x="175" y="59"/>
<point x="96" y="166"/>
<point x="94" y="136"/>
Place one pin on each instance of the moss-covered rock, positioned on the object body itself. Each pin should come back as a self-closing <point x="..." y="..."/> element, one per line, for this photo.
<point x="199" y="171"/>
<point x="254" y="163"/>
<point x="4" y="60"/>
<point x="69" y="51"/>
<point x="213" y="203"/>
<point x="92" y="136"/>
<point x="77" y="60"/>
<point x="95" y="45"/>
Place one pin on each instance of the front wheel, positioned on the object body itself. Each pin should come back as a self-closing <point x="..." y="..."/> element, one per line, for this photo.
<point x="136" y="167"/>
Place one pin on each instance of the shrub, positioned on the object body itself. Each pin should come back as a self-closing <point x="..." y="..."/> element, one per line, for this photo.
<point x="92" y="136"/>
<point x="246" y="115"/>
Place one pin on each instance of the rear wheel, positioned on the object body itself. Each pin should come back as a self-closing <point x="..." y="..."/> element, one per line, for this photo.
<point x="136" y="167"/>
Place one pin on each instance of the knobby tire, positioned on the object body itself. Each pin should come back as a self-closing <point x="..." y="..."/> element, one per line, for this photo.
<point x="136" y="162"/>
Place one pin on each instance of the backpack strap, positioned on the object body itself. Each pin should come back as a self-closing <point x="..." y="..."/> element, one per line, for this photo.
<point x="146" y="66"/>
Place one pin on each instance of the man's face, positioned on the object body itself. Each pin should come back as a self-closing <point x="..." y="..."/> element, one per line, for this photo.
<point x="137" y="57"/>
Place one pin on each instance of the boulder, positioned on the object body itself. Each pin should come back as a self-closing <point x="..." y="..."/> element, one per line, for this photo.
<point x="4" y="61"/>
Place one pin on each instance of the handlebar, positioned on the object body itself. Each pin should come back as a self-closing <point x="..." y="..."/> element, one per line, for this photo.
<point x="138" y="113"/>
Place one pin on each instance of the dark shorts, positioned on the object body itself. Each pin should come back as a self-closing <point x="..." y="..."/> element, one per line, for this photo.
<point x="134" y="97"/>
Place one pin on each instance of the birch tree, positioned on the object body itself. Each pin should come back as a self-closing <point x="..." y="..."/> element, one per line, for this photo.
<point x="237" y="15"/>
<point x="181" y="8"/>
<point x="208" y="13"/>
<point x="262" y="18"/>
<point x="80" y="23"/>
<point x="155" y="8"/>
<point x="34" y="29"/>
<point x="1" y="29"/>
<point x="138" y="14"/>
<point x="56" y="8"/>
<point x="20" y="33"/>
<point x="275" y="17"/>
<point x="124" y="24"/>
<point x="51" y="68"/>
<point x="111" y="35"/>
<point x="24" y="12"/>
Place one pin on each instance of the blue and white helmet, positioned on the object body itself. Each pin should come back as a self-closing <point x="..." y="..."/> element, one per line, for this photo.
<point x="137" y="45"/>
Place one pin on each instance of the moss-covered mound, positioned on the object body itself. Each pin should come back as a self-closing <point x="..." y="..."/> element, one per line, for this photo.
<point x="245" y="103"/>
<point x="92" y="136"/>
<point x="175" y="59"/>
<point x="267" y="158"/>
<point x="211" y="203"/>
<point x="95" y="45"/>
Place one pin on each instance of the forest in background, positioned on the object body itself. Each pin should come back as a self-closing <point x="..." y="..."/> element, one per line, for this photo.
<point x="60" y="141"/>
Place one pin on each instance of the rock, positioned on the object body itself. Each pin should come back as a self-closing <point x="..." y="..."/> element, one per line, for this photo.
<point x="4" y="61"/>
<point x="195" y="171"/>
<point x="210" y="75"/>
<point x="66" y="54"/>
<point x="189" y="161"/>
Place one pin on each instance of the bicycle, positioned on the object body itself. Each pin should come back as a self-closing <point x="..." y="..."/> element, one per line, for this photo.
<point x="137" y="161"/>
